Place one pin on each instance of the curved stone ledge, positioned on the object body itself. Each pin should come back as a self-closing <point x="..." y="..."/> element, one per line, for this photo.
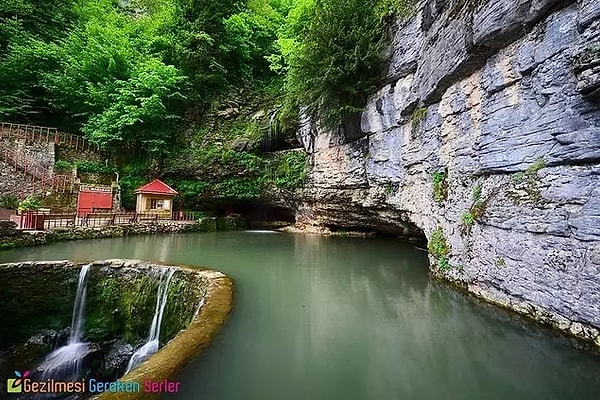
<point x="188" y="343"/>
<point x="198" y="304"/>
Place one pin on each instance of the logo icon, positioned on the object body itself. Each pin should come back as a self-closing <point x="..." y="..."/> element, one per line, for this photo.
<point x="15" y="385"/>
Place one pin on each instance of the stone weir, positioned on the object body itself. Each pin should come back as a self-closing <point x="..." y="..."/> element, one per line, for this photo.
<point x="484" y="137"/>
<point x="117" y="308"/>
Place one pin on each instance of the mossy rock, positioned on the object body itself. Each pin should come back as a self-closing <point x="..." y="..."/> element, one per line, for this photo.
<point x="35" y="297"/>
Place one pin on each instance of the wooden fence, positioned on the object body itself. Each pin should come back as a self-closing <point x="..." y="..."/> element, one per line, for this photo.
<point x="44" y="134"/>
<point x="42" y="178"/>
<point x="38" y="220"/>
<point x="56" y="183"/>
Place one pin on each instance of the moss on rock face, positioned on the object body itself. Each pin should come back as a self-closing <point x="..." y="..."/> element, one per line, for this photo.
<point x="121" y="300"/>
<point x="119" y="304"/>
<point x="35" y="296"/>
<point x="185" y="293"/>
<point x="439" y="248"/>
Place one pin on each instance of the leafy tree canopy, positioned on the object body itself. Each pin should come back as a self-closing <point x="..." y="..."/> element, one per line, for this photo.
<point x="126" y="72"/>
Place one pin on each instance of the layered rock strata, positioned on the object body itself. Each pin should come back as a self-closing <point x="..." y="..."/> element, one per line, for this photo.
<point x="485" y="136"/>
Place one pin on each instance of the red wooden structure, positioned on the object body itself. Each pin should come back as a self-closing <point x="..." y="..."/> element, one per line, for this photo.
<point x="155" y="196"/>
<point x="93" y="199"/>
<point x="156" y="187"/>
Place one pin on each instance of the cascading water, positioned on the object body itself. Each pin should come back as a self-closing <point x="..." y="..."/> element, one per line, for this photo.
<point x="271" y="141"/>
<point x="151" y="346"/>
<point x="65" y="362"/>
<point x="78" y="318"/>
<point x="200" y="305"/>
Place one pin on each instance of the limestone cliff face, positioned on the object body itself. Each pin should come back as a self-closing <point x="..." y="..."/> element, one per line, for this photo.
<point x="486" y="136"/>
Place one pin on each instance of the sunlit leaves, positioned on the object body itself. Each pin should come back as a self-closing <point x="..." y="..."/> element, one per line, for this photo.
<point x="144" y="111"/>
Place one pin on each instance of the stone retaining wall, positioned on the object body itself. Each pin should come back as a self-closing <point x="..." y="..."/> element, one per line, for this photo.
<point x="23" y="239"/>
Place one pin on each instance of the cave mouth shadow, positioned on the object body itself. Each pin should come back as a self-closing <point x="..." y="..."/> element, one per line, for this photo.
<point x="408" y="232"/>
<point x="258" y="215"/>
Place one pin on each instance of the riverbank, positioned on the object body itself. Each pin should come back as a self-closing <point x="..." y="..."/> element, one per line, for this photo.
<point x="581" y="335"/>
<point x="13" y="238"/>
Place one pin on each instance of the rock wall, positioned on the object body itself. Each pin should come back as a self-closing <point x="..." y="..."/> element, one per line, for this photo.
<point x="14" y="180"/>
<point x="42" y="153"/>
<point x="485" y="136"/>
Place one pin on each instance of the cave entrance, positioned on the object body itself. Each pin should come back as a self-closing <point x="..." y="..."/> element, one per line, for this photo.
<point x="258" y="215"/>
<point x="393" y="229"/>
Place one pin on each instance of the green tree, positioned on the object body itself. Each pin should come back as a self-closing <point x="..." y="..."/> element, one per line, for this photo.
<point x="144" y="112"/>
<point x="199" y="45"/>
<point x="332" y="53"/>
<point x="250" y="38"/>
<point x="338" y="61"/>
<point x="24" y="96"/>
<point x="24" y="19"/>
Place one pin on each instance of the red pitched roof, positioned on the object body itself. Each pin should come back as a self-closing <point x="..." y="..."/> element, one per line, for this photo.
<point x="156" y="187"/>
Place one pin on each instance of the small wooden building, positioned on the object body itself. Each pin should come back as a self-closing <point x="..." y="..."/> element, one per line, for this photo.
<point x="155" y="197"/>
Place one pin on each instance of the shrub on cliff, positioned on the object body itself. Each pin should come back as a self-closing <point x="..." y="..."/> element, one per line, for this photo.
<point x="335" y="54"/>
<point x="31" y="203"/>
<point x="9" y="201"/>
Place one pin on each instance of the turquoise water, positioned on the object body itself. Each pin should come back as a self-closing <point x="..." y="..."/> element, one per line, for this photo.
<point x="342" y="319"/>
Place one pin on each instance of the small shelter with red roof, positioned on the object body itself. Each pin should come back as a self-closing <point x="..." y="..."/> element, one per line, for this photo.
<point x="155" y="197"/>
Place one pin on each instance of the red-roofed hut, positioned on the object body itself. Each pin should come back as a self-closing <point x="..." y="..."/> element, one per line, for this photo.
<point x="155" y="197"/>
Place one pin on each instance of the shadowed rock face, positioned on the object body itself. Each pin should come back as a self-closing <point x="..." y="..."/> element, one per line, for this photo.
<point x="498" y="102"/>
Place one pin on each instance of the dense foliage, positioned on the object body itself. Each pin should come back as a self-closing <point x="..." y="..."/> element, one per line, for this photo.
<point x="137" y="76"/>
<point x="30" y="203"/>
<point x="335" y="55"/>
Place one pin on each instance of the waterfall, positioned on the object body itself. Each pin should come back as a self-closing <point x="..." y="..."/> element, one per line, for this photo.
<point x="65" y="362"/>
<point x="272" y="133"/>
<point x="152" y="344"/>
<point x="200" y="304"/>
<point x="79" y="307"/>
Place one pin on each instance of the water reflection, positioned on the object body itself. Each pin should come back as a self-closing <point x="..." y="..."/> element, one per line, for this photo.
<point x="340" y="318"/>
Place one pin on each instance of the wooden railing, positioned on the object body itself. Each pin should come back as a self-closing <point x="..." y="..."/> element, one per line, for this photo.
<point x="42" y="179"/>
<point x="44" y="134"/>
<point x="56" y="183"/>
<point x="43" y="220"/>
